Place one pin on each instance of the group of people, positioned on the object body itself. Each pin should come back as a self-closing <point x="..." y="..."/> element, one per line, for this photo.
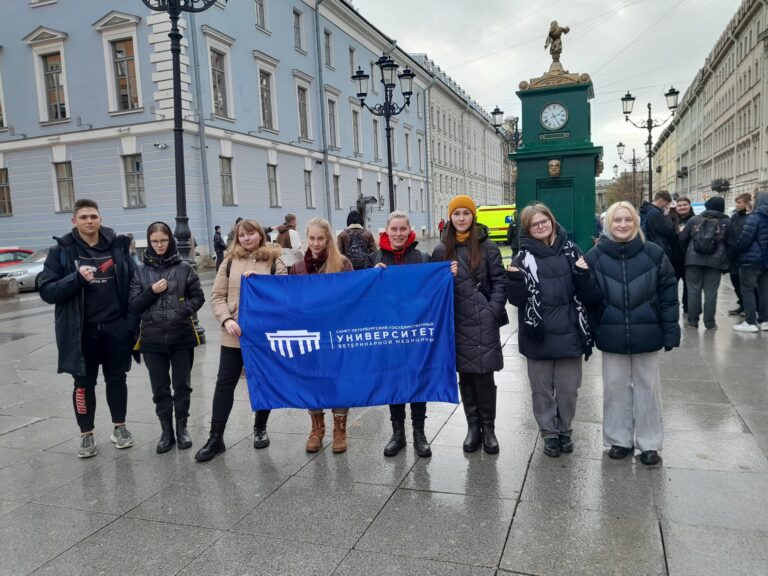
<point x="703" y="247"/>
<point x="620" y="297"/>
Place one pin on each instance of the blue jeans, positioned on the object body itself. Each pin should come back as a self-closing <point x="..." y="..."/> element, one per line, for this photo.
<point x="754" y="279"/>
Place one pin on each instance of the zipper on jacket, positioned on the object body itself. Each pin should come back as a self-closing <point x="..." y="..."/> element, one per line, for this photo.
<point x="626" y="298"/>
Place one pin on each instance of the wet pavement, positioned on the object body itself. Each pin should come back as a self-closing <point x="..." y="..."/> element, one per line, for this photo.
<point x="283" y="511"/>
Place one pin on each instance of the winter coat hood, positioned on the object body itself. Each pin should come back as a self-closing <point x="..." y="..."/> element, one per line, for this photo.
<point x="386" y="244"/>
<point x="171" y="256"/>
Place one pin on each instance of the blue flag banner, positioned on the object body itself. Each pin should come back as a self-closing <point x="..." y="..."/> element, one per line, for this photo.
<point x="365" y="338"/>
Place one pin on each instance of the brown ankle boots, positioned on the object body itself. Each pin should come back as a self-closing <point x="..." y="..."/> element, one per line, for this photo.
<point x="315" y="441"/>
<point x="339" y="433"/>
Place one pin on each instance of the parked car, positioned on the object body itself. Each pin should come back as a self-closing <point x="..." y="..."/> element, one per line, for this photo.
<point x="27" y="271"/>
<point x="10" y="255"/>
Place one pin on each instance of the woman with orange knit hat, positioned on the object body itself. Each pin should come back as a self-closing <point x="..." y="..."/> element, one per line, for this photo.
<point x="479" y="311"/>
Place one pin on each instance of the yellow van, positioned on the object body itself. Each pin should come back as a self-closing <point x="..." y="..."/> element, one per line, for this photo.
<point x="497" y="219"/>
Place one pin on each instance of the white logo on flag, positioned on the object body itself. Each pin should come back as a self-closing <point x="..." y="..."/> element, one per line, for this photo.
<point x="282" y="341"/>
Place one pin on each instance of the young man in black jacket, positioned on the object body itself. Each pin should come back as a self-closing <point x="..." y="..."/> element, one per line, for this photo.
<point x="397" y="246"/>
<point x="87" y="275"/>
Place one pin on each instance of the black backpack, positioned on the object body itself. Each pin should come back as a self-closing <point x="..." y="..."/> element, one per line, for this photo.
<point x="706" y="235"/>
<point x="357" y="250"/>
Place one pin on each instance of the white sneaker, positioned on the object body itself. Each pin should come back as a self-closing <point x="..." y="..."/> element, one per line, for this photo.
<point x="763" y="326"/>
<point x="745" y="327"/>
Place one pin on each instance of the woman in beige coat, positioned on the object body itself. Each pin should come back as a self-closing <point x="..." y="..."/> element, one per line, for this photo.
<point x="248" y="254"/>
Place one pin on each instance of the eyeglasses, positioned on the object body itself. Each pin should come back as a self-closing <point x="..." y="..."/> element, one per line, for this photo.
<point x="158" y="242"/>
<point x="540" y="224"/>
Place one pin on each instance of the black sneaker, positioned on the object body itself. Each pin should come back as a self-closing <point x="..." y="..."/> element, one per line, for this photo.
<point x="619" y="452"/>
<point x="650" y="458"/>
<point x="552" y="447"/>
<point x="566" y="444"/>
<point x="735" y="311"/>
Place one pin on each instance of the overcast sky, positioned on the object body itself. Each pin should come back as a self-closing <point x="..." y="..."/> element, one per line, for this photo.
<point x="489" y="46"/>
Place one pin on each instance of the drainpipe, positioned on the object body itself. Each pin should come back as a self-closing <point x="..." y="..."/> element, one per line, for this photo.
<point x="464" y="148"/>
<point x="201" y="133"/>
<point x="427" y="151"/>
<point x="323" y="114"/>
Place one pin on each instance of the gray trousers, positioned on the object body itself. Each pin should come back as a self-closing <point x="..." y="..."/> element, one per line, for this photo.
<point x="554" y="388"/>
<point x="754" y="279"/>
<point x="632" y="401"/>
<point x="701" y="278"/>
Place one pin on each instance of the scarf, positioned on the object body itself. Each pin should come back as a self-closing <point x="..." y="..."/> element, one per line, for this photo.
<point x="313" y="265"/>
<point x="463" y="236"/>
<point x="399" y="255"/>
<point x="532" y="313"/>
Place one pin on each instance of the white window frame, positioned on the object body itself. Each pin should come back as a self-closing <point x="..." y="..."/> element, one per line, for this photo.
<point x="357" y="134"/>
<point x="337" y="195"/>
<point x="231" y="180"/>
<point x="5" y="191"/>
<point x="352" y="54"/>
<point x="328" y="48"/>
<point x="126" y="203"/>
<point x="376" y="129"/>
<point x="263" y="26"/>
<point x="302" y="80"/>
<point x="113" y="27"/>
<point x="301" y="46"/>
<point x="278" y="202"/>
<point x="3" y="111"/>
<point x="420" y="146"/>
<point x="267" y="64"/>
<point x="309" y="199"/>
<point x="45" y="41"/>
<point x="393" y="125"/>
<point x="221" y="43"/>
<point x="373" y="85"/>
<point x="57" y="191"/>
<point x="332" y="95"/>
<point x="407" y="146"/>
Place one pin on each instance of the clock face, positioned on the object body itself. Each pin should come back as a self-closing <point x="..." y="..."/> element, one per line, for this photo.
<point x="554" y="116"/>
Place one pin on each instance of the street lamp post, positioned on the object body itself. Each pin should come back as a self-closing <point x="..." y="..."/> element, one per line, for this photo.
<point x="634" y="162"/>
<point x="627" y="103"/>
<point x="387" y="109"/>
<point x="174" y="8"/>
<point x="511" y="139"/>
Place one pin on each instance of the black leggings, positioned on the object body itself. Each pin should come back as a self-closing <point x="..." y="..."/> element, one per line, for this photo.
<point x="230" y="368"/>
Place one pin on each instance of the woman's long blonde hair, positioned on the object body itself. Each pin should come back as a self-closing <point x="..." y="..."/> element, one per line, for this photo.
<point x="609" y="214"/>
<point x="335" y="261"/>
<point x="526" y="217"/>
<point x="237" y="250"/>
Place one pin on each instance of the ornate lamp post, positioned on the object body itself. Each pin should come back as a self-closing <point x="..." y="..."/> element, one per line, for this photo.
<point x="174" y="8"/>
<point x="511" y="138"/>
<point x="634" y="162"/>
<point x="387" y="109"/>
<point x="627" y="103"/>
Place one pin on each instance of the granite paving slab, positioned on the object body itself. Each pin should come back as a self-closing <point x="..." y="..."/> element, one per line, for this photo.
<point x="702" y="417"/>
<point x="713" y="451"/>
<point x="372" y="564"/>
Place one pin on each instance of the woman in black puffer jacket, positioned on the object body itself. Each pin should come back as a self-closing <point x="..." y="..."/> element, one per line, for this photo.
<point x="636" y="317"/>
<point x="546" y="281"/>
<point x="479" y="310"/>
<point x="166" y="292"/>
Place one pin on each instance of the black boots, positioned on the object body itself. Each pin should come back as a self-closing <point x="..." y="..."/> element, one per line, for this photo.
<point x="260" y="438"/>
<point x="167" y="439"/>
<point x="486" y="402"/>
<point x="214" y="445"/>
<point x="397" y="441"/>
<point x="420" y="443"/>
<point x="469" y="400"/>
<point x="182" y="436"/>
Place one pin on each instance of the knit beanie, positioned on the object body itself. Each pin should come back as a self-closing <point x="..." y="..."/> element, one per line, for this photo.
<point x="462" y="201"/>
<point x="716" y="203"/>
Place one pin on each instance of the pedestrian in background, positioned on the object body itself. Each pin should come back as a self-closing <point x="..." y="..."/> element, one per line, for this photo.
<point x="289" y="240"/>
<point x="219" y="246"/>
<point x="743" y="208"/>
<point x="323" y="257"/>
<point x="547" y="280"/>
<point x="87" y="275"/>
<point x="480" y="296"/>
<point x="684" y="213"/>
<point x="637" y="316"/>
<point x="166" y="293"/>
<point x="355" y="242"/>
<point x="706" y="260"/>
<point x="397" y="246"/>
<point x="752" y="258"/>
<point x="248" y="254"/>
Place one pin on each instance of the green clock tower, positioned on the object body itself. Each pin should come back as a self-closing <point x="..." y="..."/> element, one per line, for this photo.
<point x="557" y="162"/>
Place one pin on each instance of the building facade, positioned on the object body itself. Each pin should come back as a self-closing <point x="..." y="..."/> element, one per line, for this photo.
<point x="271" y="121"/>
<point x="716" y="143"/>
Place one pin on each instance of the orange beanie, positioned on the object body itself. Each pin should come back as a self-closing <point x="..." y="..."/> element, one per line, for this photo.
<point x="462" y="201"/>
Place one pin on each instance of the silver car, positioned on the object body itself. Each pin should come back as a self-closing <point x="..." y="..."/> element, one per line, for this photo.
<point x="27" y="271"/>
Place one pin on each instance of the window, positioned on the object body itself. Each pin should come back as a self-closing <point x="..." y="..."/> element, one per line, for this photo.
<point x="352" y="69"/>
<point x="393" y="143"/>
<point x="54" y="87"/>
<point x="301" y="95"/>
<point x="134" y="180"/>
<point x="265" y="87"/>
<point x="2" y="116"/>
<point x="298" y="41"/>
<point x="421" y="197"/>
<point x="420" y="151"/>
<point x="123" y="61"/>
<point x="376" y="154"/>
<point x="419" y="109"/>
<point x="356" y="131"/>
<point x="261" y="14"/>
<point x="5" y="194"/>
<point x="219" y="79"/>
<point x="65" y="186"/>
<point x="407" y="149"/>
<point x="274" y="198"/>
<point x="227" y="190"/>
<point x="332" y="124"/>
<point x="410" y="200"/>
<point x="336" y="192"/>
<point x="328" y="47"/>
<point x="309" y="196"/>
<point x="359" y="187"/>
<point x="378" y="193"/>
